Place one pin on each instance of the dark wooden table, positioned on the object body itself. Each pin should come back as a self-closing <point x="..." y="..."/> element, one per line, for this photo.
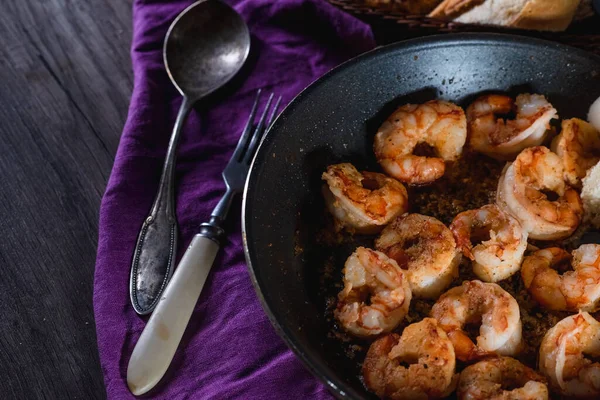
<point x="65" y="82"/>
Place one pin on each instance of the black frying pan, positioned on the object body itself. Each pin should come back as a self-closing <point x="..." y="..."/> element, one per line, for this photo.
<point x="334" y="120"/>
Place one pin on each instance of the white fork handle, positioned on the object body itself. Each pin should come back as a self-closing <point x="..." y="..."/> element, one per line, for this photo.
<point x="161" y="336"/>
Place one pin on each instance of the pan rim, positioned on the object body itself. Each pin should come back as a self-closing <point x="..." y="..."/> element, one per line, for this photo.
<point x="339" y="387"/>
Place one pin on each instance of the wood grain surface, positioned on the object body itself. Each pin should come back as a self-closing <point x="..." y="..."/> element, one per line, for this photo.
<point x="65" y="82"/>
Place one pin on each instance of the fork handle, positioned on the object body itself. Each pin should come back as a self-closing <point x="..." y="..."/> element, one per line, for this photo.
<point x="161" y="336"/>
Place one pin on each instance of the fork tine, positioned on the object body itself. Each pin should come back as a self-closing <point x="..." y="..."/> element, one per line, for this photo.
<point x="257" y="132"/>
<point x="239" y="149"/>
<point x="273" y="113"/>
<point x="270" y="121"/>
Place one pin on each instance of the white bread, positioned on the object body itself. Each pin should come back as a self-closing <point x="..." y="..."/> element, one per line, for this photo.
<point x="553" y="15"/>
<point x="590" y="196"/>
<point x="497" y="12"/>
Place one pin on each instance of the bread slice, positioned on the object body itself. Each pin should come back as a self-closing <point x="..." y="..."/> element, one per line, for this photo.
<point x="496" y="12"/>
<point x="487" y="12"/>
<point x="553" y="15"/>
<point x="453" y="8"/>
<point x="547" y="15"/>
<point x="590" y="196"/>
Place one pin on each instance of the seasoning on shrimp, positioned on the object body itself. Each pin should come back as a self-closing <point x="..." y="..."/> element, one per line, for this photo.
<point x="502" y="241"/>
<point x="430" y="373"/>
<point x="563" y="357"/>
<point x="498" y="311"/>
<point x="501" y="378"/>
<point x="523" y="191"/>
<point x="424" y="247"/>
<point x="376" y="294"/>
<point x="362" y="202"/>
<point x="502" y="138"/>
<point x="574" y="290"/>
<point x="439" y="124"/>
<point x="579" y="147"/>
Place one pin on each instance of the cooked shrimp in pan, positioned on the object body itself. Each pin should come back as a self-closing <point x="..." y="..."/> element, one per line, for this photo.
<point x="376" y="294"/>
<point x="420" y="364"/>
<point x="565" y="357"/>
<point x="501" y="378"/>
<point x="504" y="138"/>
<point x="440" y="124"/>
<point x="425" y="248"/>
<point x="497" y="311"/>
<point x="362" y="202"/>
<point x="501" y="241"/>
<point x="532" y="189"/>
<point x="574" y="290"/>
<point x="579" y="147"/>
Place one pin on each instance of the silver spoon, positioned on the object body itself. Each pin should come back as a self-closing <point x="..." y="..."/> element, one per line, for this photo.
<point x="205" y="46"/>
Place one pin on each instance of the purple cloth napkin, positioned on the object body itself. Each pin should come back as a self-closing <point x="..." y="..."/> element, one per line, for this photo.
<point x="230" y="349"/>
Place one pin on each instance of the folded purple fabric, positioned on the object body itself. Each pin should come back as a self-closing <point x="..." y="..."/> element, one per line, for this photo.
<point x="229" y="349"/>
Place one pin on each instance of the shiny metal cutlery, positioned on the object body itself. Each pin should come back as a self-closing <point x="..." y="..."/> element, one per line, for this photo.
<point x="158" y="342"/>
<point x="205" y="47"/>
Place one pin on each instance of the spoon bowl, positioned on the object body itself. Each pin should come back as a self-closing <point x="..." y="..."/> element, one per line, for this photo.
<point x="206" y="46"/>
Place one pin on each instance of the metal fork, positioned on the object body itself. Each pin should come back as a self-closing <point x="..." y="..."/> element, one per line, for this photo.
<point x="236" y="171"/>
<point x="158" y="342"/>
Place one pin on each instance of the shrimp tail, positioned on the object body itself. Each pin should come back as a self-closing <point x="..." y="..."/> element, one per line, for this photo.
<point x="464" y="347"/>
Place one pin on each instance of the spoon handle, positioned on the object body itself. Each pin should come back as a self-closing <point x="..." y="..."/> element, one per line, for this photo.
<point x="156" y="247"/>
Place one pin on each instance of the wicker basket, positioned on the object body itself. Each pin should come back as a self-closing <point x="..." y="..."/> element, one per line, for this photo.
<point x="390" y="25"/>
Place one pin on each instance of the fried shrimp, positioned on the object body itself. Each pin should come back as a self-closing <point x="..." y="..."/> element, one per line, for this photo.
<point x="362" y="202"/>
<point x="420" y="364"/>
<point x="439" y="124"/>
<point x="524" y="189"/>
<point x="563" y="354"/>
<point x="579" y="147"/>
<point x="501" y="378"/>
<point x="424" y="247"/>
<point x="574" y="290"/>
<point x="502" y="138"/>
<point x="376" y="294"/>
<point x="487" y="303"/>
<point x="502" y="241"/>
